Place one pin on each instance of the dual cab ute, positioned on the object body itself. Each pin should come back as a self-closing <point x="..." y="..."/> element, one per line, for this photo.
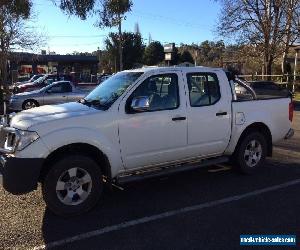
<point x="137" y="124"/>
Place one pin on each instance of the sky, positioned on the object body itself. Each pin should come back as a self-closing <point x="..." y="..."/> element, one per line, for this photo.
<point x="189" y="21"/>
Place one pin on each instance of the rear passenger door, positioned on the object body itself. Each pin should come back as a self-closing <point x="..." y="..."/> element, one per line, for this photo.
<point x="209" y="112"/>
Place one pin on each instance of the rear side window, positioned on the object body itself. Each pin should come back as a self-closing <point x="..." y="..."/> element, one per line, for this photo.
<point x="204" y="89"/>
<point x="66" y="87"/>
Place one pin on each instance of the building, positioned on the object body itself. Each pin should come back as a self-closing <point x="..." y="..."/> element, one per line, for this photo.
<point x="28" y="63"/>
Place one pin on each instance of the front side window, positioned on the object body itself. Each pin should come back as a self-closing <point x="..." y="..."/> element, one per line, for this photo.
<point x="204" y="89"/>
<point x="162" y="91"/>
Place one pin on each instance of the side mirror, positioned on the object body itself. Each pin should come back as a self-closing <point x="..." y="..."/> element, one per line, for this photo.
<point x="49" y="91"/>
<point x="140" y="104"/>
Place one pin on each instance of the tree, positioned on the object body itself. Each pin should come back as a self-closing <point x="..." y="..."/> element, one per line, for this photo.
<point x="14" y="33"/>
<point x="133" y="49"/>
<point x="186" y="56"/>
<point x="208" y="53"/>
<point x="269" y="25"/>
<point x="154" y="54"/>
<point x="111" y="14"/>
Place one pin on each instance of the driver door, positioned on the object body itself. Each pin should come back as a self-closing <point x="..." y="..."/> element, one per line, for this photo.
<point x="158" y="135"/>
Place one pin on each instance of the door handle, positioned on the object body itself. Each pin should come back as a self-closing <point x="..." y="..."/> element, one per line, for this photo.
<point x="180" y="118"/>
<point x="221" y="113"/>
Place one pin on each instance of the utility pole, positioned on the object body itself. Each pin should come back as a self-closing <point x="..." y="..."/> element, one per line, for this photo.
<point x="120" y="43"/>
<point x="295" y="68"/>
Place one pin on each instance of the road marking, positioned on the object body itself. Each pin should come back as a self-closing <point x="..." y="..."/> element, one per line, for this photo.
<point x="155" y="217"/>
<point x="287" y="152"/>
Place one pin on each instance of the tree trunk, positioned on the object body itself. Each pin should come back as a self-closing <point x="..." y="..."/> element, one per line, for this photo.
<point x="269" y="68"/>
<point x="120" y="44"/>
<point x="3" y="69"/>
<point x="268" y="61"/>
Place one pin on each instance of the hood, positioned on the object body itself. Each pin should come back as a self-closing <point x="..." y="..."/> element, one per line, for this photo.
<point x="27" y="84"/>
<point x="20" y="83"/>
<point x="48" y="113"/>
<point x="27" y="93"/>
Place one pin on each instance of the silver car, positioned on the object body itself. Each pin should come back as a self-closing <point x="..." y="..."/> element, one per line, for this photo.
<point x="55" y="93"/>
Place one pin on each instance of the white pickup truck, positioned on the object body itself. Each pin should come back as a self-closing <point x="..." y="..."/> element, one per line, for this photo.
<point x="137" y="124"/>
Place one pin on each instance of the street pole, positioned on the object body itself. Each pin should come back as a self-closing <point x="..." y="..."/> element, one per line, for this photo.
<point x="295" y="69"/>
<point x="120" y="43"/>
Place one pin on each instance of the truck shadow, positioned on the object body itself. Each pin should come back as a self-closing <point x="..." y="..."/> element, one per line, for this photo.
<point x="160" y="195"/>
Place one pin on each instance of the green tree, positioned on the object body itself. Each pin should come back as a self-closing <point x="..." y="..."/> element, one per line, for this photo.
<point x="210" y="53"/>
<point x="111" y="14"/>
<point x="186" y="56"/>
<point x="133" y="49"/>
<point x="154" y="53"/>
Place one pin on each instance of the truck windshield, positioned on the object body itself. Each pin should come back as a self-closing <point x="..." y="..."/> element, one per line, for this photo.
<point x="111" y="89"/>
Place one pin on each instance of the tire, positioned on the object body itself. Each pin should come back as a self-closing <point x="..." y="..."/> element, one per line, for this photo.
<point x="250" y="153"/>
<point x="29" y="104"/>
<point x="69" y="192"/>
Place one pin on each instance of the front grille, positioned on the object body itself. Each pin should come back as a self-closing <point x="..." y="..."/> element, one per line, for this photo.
<point x="10" y="139"/>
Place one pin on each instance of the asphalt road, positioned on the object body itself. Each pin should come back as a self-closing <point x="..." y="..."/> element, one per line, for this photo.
<point x="204" y="209"/>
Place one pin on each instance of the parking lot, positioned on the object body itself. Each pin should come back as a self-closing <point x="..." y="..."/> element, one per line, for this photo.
<point x="204" y="209"/>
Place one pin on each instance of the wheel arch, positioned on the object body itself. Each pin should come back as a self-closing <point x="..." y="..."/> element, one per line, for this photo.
<point x="261" y="128"/>
<point x="77" y="148"/>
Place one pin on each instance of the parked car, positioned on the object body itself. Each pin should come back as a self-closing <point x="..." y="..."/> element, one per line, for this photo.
<point x="55" y="93"/>
<point x="40" y="83"/>
<point x="32" y="79"/>
<point x="137" y="124"/>
<point x="265" y="88"/>
<point x="103" y="78"/>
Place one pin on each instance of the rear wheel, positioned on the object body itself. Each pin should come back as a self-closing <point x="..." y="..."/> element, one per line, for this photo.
<point x="73" y="185"/>
<point x="29" y="104"/>
<point x="251" y="152"/>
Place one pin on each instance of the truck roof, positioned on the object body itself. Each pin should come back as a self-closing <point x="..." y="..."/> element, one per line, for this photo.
<point x="179" y="68"/>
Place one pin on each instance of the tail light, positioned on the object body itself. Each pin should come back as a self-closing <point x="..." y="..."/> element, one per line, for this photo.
<point x="291" y="111"/>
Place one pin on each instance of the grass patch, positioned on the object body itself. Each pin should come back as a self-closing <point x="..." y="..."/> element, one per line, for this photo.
<point x="297" y="96"/>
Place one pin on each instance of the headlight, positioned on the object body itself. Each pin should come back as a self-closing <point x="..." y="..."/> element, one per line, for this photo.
<point x="26" y="138"/>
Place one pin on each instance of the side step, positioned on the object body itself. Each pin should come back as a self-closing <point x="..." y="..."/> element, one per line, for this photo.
<point x="168" y="170"/>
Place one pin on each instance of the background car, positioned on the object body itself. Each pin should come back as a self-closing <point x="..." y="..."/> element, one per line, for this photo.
<point x="103" y="77"/>
<point x="32" y="79"/>
<point x="55" y="93"/>
<point x="40" y="83"/>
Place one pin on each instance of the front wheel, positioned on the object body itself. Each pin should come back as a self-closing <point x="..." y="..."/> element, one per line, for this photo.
<point x="251" y="153"/>
<point x="29" y="104"/>
<point x="73" y="185"/>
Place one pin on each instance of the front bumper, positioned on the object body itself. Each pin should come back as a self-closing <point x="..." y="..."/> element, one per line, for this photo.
<point x="20" y="175"/>
<point x="15" y="105"/>
<point x="289" y="134"/>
